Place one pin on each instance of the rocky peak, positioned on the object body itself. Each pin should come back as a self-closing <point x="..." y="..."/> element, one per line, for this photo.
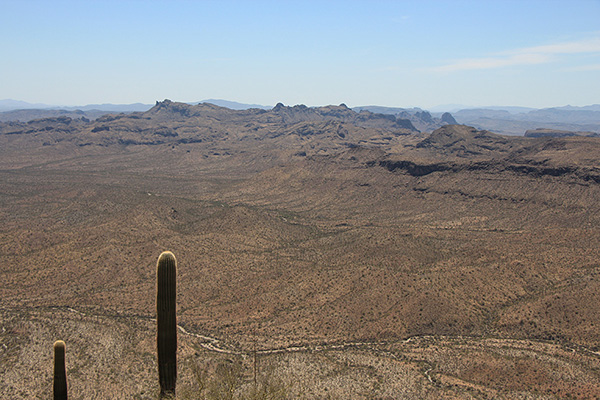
<point x="170" y="107"/>
<point x="424" y="116"/>
<point x="278" y="107"/>
<point x="448" y="119"/>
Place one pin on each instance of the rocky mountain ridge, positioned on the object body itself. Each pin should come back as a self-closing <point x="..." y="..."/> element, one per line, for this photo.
<point x="505" y="120"/>
<point x="179" y="123"/>
<point x="284" y="133"/>
<point x="423" y="120"/>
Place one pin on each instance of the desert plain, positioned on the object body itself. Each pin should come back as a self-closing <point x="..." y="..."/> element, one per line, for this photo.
<point x="342" y="255"/>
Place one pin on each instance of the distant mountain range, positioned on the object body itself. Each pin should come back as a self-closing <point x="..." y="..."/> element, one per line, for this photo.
<point x="507" y="121"/>
<point x="510" y="120"/>
<point x="10" y="105"/>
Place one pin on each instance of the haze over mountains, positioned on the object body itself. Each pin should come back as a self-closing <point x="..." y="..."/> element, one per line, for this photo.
<point x="9" y="105"/>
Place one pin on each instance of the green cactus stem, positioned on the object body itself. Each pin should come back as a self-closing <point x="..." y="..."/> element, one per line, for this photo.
<point x="166" y="321"/>
<point x="60" y="371"/>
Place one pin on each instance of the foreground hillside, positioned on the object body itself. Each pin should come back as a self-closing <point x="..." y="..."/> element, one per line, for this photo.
<point x="389" y="263"/>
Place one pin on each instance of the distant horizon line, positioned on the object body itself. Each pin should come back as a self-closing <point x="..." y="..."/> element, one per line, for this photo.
<point x="4" y="105"/>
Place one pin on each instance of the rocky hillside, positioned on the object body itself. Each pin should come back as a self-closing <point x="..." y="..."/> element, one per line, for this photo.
<point x="544" y="132"/>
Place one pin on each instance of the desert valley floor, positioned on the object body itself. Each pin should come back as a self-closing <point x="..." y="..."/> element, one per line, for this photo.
<point x="345" y="254"/>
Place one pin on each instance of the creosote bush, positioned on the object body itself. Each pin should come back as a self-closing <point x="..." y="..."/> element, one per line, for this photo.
<point x="230" y="380"/>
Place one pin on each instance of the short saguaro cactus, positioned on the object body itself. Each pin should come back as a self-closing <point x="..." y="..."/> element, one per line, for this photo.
<point x="60" y="371"/>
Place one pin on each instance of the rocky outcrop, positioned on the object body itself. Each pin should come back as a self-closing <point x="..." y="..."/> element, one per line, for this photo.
<point x="447" y="118"/>
<point x="555" y="133"/>
<point x="425" y="117"/>
<point x="341" y="113"/>
<point x="60" y="124"/>
<point x="535" y="171"/>
<point x="464" y="140"/>
<point x="459" y="148"/>
<point x="414" y="168"/>
<point x="420" y="119"/>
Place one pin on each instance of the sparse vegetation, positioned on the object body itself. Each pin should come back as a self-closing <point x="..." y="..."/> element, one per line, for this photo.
<point x="326" y="263"/>
<point x="229" y="380"/>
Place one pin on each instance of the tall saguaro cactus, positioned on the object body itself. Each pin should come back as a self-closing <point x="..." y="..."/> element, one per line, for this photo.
<point x="166" y="321"/>
<point x="60" y="371"/>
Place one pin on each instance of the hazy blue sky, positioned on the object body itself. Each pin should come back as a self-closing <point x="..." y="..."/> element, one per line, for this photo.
<point x="392" y="53"/>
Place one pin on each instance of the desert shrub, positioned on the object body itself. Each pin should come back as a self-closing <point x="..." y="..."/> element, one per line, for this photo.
<point x="231" y="380"/>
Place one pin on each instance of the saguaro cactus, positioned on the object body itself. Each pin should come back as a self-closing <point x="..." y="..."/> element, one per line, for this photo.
<point x="60" y="371"/>
<point x="166" y="322"/>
